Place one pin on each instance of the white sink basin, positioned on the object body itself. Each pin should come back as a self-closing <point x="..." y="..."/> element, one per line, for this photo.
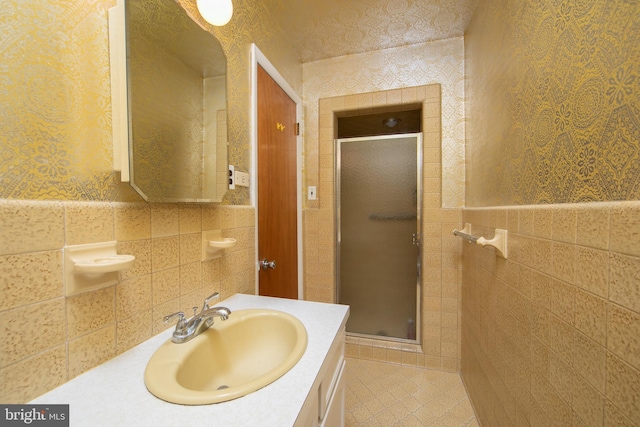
<point x="233" y="358"/>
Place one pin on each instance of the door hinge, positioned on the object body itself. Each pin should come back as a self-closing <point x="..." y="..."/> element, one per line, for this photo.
<point x="297" y="129"/>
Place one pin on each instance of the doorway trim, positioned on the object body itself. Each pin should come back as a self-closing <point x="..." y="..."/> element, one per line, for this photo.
<point x="258" y="58"/>
<point x="441" y="265"/>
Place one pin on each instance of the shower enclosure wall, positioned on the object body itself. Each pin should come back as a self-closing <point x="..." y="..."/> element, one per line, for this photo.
<point x="378" y="195"/>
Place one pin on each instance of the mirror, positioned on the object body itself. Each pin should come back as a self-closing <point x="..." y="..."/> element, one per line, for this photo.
<point x="176" y="105"/>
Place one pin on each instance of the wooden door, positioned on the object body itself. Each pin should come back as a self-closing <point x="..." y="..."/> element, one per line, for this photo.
<point x="277" y="189"/>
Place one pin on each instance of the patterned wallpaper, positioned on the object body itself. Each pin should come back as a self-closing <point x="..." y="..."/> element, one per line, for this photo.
<point x="553" y="102"/>
<point x="331" y="28"/>
<point x="557" y="120"/>
<point x="438" y="62"/>
<point x="55" y="100"/>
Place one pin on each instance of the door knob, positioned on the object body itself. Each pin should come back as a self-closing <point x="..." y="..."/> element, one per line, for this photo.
<point x="264" y="264"/>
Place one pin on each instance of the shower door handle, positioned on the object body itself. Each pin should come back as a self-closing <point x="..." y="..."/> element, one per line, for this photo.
<point x="416" y="239"/>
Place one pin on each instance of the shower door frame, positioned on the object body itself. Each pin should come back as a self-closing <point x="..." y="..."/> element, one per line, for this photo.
<point x="417" y="236"/>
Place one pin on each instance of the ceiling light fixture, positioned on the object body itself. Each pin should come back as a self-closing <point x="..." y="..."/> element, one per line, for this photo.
<point x="391" y="122"/>
<point x="215" y="12"/>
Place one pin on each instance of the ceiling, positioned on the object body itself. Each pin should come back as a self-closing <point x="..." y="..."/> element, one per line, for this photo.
<point x="321" y="29"/>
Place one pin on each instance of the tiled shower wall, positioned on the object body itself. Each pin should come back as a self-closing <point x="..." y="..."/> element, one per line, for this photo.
<point x="48" y="338"/>
<point x="441" y="266"/>
<point x="551" y="335"/>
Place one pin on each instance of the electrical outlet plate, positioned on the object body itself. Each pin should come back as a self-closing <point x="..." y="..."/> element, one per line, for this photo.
<point x="232" y="177"/>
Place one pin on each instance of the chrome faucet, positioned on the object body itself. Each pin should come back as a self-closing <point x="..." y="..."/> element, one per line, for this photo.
<point x="200" y="322"/>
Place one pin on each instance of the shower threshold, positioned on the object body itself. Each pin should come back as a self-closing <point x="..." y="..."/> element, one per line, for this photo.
<point x="380" y="337"/>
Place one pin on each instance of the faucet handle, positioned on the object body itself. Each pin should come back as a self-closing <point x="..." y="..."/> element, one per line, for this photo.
<point x="181" y="319"/>
<point x="205" y="306"/>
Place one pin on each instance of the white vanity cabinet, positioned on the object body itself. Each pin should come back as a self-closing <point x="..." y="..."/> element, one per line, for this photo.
<point x="311" y="394"/>
<point x="324" y="405"/>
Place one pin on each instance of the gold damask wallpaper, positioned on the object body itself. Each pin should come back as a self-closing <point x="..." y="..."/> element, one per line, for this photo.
<point x="331" y="28"/>
<point x="552" y="102"/>
<point x="55" y="100"/>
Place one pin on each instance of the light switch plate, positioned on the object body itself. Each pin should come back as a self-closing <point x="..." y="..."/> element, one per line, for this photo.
<point x="311" y="192"/>
<point x="242" y="179"/>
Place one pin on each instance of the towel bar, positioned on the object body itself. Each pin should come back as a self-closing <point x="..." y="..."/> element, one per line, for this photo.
<point x="499" y="241"/>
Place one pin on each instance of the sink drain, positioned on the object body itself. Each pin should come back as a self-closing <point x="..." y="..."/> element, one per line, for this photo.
<point x="222" y="387"/>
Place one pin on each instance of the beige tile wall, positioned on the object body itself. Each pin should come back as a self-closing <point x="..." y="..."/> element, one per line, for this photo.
<point x="551" y="336"/>
<point x="441" y="267"/>
<point x="372" y="77"/>
<point x="49" y="338"/>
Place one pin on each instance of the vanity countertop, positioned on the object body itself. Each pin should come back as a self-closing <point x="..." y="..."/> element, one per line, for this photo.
<point x="114" y="394"/>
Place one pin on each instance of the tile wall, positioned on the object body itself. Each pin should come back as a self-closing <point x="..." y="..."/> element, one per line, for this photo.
<point x="551" y="336"/>
<point x="48" y="338"/>
<point x="441" y="266"/>
<point x="391" y="76"/>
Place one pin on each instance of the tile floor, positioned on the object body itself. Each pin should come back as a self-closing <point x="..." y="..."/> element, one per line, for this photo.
<point x="383" y="394"/>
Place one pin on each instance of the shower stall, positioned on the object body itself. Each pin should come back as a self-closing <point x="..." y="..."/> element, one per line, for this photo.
<point x="378" y="203"/>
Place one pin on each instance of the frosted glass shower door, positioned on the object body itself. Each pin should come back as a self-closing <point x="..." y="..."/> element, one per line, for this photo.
<point x="378" y="205"/>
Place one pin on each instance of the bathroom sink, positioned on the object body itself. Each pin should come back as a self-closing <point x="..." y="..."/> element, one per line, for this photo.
<point x="231" y="359"/>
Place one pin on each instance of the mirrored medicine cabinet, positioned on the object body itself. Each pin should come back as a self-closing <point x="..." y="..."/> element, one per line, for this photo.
<point x="169" y="103"/>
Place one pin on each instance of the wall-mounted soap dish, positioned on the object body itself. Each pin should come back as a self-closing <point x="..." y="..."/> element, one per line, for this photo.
<point x="93" y="266"/>
<point x="213" y="244"/>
